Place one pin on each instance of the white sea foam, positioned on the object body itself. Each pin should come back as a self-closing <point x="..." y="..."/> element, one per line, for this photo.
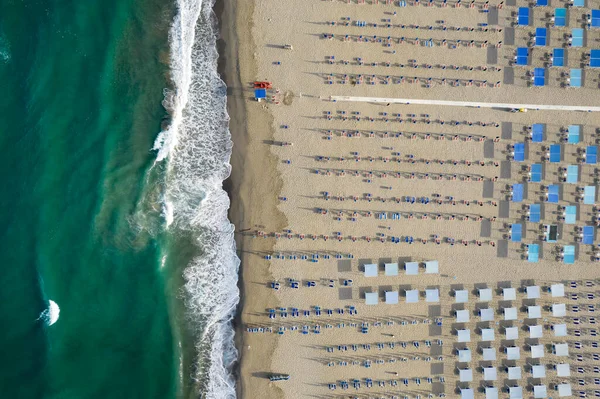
<point x="50" y="315"/>
<point x="197" y="147"/>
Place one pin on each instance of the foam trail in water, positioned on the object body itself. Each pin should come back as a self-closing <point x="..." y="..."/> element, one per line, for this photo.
<point x="50" y="315"/>
<point x="198" y="146"/>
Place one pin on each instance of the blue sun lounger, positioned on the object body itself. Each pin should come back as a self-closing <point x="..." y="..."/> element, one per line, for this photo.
<point x="588" y="235"/>
<point x="595" y="19"/>
<point x="577" y="36"/>
<point x="517" y="195"/>
<point x="574" y="135"/>
<point x="537" y="133"/>
<point x="535" y="213"/>
<point x="539" y="77"/>
<point x="555" y="153"/>
<point x="533" y="254"/>
<point x="575" y="77"/>
<point x="541" y="37"/>
<point x="589" y="195"/>
<point x="553" y="193"/>
<point x="558" y="57"/>
<point x="536" y="173"/>
<point x="569" y="254"/>
<point x="560" y="17"/>
<point x="570" y="214"/>
<point x="572" y="174"/>
<point x="516" y="232"/>
<point x="522" y="57"/>
<point x="519" y="152"/>
<point x="595" y="58"/>
<point x="523" y="16"/>
<point x="591" y="154"/>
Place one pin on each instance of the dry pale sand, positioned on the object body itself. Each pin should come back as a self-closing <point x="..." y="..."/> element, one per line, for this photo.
<point x="322" y="160"/>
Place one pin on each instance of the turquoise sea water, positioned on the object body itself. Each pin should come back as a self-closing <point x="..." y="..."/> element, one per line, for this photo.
<point x="80" y="108"/>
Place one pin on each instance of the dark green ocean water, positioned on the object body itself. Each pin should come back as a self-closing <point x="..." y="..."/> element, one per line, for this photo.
<point x="80" y="108"/>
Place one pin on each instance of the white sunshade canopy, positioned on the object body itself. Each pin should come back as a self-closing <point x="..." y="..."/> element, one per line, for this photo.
<point x="371" y="298"/>
<point x="563" y="370"/>
<point x="538" y="371"/>
<point x="534" y="312"/>
<point x="537" y="351"/>
<point x="485" y="294"/>
<point x="391" y="269"/>
<point x="512" y="333"/>
<point x="412" y="296"/>
<point x="515" y="392"/>
<point x="509" y="294"/>
<point x="487" y="334"/>
<point x="514" y="373"/>
<point x="462" y="316"/>
<point x="510" y="313"/>
<point x="539" y="391"/>
<point x="466" y="393"/>
<point x="464" y="335"/>
<point x="533" y="292"/>
<point x="432" y="295"/>
<point x="461" y="296"/>
<point x="490" y="374"/>
<point x="536" y="332"/>
<point x="465" y="375"/>
<point x="412" y="268"/>
<point x="486" y="314"/>
<point x="560" y="330"/>
<point x="491" y="393"/>
<point x="464" y="355"/>
<point x="559" y="310"/>
<point x="370" y="270"/>
<point x="489" y="354"/>
<point x="561" y="349"/>
<point x="564" y="390"/>
<point x="513" y="353"/>
<point x="432" y="267"/>
<point x="557" y="290"/>
<point x="391" y="297"/>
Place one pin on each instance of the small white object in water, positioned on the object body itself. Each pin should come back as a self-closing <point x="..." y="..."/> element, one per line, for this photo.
<point x="50" y="315"/>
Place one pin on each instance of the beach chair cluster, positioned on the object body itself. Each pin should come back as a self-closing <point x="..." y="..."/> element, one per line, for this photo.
<point x="410" y="268"/>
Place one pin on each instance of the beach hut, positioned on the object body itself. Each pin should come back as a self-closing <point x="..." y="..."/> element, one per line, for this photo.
<point x="557" y="290"/>
<point x="535" y="213"/>
<point x="432" y="295"/>
<point x="489" y="354"/>
<point x="572" y="174"/>
<point x="411" y="268"/>
<point x="486" y="314"/>
<point x="432" y="267"/>
<point x="569" y="254"/>
<point x="538" y="371"/>
<point x="522" y="56"/>
<point x="513" y="353"/>
<point x="560" y="17"/>
<point x="509" y="294"/>
<point x="563" y="370"/>
<point x="536" y="331"/>
<point x="575" y="78"/>
<point x="564" y="390"/>
<point x="534" y="312"/>
<point x="577" y="37"/>
<point x="537" y="351"/>
<point x="371" y="298"/>
<point x="558" y="57"/>
<point x="464" y="355"/>
<point x="570" y="214"/>
<point x="536" y="173"/>
<point x="370" y="270"/>
<point x="490" y="374"/>
<point x="465" y="375"/>
<point x="559" y="310"/>
<point x="541" y="39"/>
<point x="539" y="77"/>
<point x="516" y="232"/>
<point x="511" y="333"/>
<point x="491" y="393"/>
<point x="595" y="58"/>
<point x="519" y="152"/>
<point x="533" y="292"/>
<point x="391" y="269"/>
<point x="517" y="193"/>
<point x="462" y="316"/>
<point x="461" y="296"/>
<point x="555" y="153"/>
<point x="391" y="297"/>
<point x="463" y="335"/>
<point x="487" y="334"/>
<point x="589" y="234"/>
<point x="485" y="294"/>
<point x="466" y="393"/>
<point x="260" y="94"/>
<point x="523" y="16"/>
<point x="594" y="19"/>
<point x="539" y="391"/>
<point x="412" y="296"/>
<point x="560" y="330"/>
<point x="537" y="132"/>
<point x="560" y="349"/>
<point x="589" y="195"/>
<point x="591" y="154"/>
<point x="515" y="392"/>
<point x="514" y="373"/>
<point x="553" y="195"/>
<point x="510" y="313"/>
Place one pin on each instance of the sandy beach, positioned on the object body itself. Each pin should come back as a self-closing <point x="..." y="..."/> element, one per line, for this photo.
<point x="321" y="188"/>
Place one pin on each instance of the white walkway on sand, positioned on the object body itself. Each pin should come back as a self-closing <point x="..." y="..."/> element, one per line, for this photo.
<point x="547" y="107"/>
